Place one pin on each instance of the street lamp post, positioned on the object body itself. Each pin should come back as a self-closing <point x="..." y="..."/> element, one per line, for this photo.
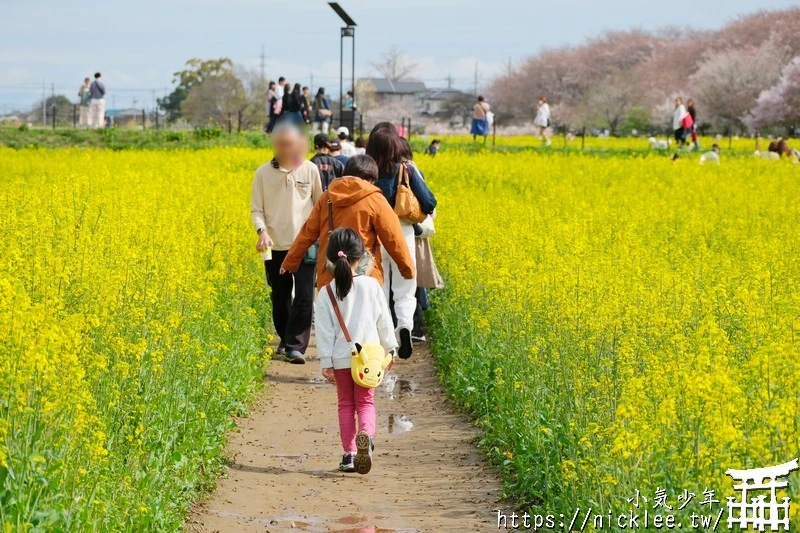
<point x="348" y="31"/>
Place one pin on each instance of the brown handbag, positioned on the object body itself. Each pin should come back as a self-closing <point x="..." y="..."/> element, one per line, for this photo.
<point x="406" y="204"/>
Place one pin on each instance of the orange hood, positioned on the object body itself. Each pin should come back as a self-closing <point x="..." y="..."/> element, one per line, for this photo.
<point x="347" y="191"/>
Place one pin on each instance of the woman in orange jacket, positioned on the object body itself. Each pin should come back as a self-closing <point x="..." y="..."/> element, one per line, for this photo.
<point x="355" y="203"/>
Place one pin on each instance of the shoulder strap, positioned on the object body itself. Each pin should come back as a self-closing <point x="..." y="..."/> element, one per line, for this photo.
<point x="338" y="314"/>
<point x="330" y="216"/>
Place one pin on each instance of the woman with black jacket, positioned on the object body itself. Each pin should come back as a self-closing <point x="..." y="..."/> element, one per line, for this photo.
<point x="386" y="148"/>
<point x="293" y="105"/>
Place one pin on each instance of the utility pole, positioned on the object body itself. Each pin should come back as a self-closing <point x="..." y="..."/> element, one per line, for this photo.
<point x="476" y="78"/>
<point x="509" y="67"/>
<point x="311" y="85"/>
<point x="53" y="91"/>
<point x="449" y="79"/>
<point x="44" y="104"/>
<point x="263" y="63"/>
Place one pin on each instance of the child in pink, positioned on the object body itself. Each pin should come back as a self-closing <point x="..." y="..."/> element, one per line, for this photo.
<point x="364" y="309"/>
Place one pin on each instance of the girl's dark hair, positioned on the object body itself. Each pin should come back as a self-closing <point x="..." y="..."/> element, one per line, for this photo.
<point x="321" y="91"/>
<point x="380" y="126"/>
<point x="407" y="152"/>
<point x="480" y="98"/>
<point x="385" y="148"/>
<point x="296" y="90"/>
<point x="345" y="246"/>
<point x="361" y="142"/>
<point x="362" y="166"/>
<point x="271" y="85"/>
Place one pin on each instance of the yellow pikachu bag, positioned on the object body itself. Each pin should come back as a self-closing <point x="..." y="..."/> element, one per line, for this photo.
<point x="368" y="365"/>
<point x="370" y="361"/>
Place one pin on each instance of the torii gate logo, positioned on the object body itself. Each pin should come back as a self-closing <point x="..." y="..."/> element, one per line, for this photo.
<point x="757" y="512"/>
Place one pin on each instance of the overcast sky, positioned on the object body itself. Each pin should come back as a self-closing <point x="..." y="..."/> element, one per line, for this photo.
<point x="138" y="45"/>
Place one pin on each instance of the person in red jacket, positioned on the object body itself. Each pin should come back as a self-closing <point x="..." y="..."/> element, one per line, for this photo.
<point x="358" y="204"/>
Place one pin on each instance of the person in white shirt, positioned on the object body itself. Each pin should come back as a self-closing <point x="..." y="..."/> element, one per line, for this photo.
<point x="283" y="195"/>
<point x="542" y="120"/>
<point x="677" y="122"/>
<point x="365" y="312"/>
<point x="712" y="156"/>
<point x="97" y="106"/>
<point x="85" y="100"/>
<point x="348" y="148"/>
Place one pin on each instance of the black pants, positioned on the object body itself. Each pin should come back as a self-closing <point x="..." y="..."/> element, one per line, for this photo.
<point x="292" y="318"/>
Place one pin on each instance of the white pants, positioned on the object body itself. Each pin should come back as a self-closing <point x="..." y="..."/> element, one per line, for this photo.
<point x="97" y="113"/>
<point x="320" y="127"/>
<point x="83" y="116"/>
<point x="404" y="291"/>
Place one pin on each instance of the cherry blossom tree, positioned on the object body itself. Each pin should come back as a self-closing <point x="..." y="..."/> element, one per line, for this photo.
<point x="780" y="104"/>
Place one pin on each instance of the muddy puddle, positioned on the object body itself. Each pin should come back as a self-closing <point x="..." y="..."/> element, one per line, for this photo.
<point x="398" y="424"/>
<point x="398" y="388"/>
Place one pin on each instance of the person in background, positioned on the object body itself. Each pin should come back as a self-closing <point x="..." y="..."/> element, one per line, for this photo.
<point x="329" y="167"/>
<point x="712" y="156"/>
<point x="293" y="105"/>
<point x="284" y="192"/>
<point x="480" y="121"/>
<point x="322" y="112"/>
<point x="272" y="111"/>
<point x="348" y="149"/>
<point x="281" y="89"/>
<point x="361" y="146"/>
<point x="97" y="106"/>
<point x="542" y="120"/>
<point x="308" y="107"/>
<point x="350" y="101"/>
<point x="335" y="148"/>
<point x="360" y="305"/>
<point x="84" y="101"/>
<point x="385" y="146"/>
<point x="693" y="113"/>
<point x="433" y="148"/>
<point x="677" y="122"/>
<point x="355" y="202"/>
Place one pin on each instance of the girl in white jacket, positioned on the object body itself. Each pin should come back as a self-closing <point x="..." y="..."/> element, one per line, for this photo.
<point x="366" y="313"/>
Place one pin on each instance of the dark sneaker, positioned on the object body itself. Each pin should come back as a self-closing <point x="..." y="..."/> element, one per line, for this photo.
<point x="347" y="463"/>
<point x="363" y="458"/>
<point x="406" y="348"/>
<point x="295" y="357"/>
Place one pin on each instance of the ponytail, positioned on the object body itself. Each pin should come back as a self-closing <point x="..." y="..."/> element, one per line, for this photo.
<point x="343" y="275"/>
<point x="345" y="247"/>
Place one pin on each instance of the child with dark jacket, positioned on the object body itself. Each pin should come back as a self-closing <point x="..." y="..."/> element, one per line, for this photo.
<point x="329" y="167"/>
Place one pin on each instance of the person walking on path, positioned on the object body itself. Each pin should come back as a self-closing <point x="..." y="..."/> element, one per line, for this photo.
<point x="542" y="120"/>
<point x="348" y="148"/>
<point x="329" y="167"/>
<point x="97" y="106"/>
<point x="693" y="129"/>
<point x="273" y="110"/>
<point x="386" y="148"/>
<point x="355" y="202"/>
<point x="84" y="102"/>
<point x="359" y="303"/>
<point x="677" y="122"/>
<point x="292" y="109"/>
<point x="480" y="119"/>
<point x="428" y="276"/>
<point x="283" y="195"/>
<point x="322" y="112"/>
<point x="308" y="106"/>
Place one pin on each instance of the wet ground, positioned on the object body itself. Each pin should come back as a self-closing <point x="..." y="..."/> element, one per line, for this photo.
<point x="283" y="476"/>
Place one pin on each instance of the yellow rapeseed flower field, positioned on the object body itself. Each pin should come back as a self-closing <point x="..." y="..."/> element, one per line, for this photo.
<point x="132" y="312"/>
<point x="621" y="324"/>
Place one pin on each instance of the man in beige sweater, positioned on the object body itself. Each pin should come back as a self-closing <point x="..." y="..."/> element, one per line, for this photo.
<point x="284" y="193"/>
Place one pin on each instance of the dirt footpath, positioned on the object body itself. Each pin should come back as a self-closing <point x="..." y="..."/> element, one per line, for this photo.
<point x="283" y="476"/>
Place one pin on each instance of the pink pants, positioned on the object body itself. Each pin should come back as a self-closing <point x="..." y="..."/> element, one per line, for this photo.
<point x="353" y="400"/>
